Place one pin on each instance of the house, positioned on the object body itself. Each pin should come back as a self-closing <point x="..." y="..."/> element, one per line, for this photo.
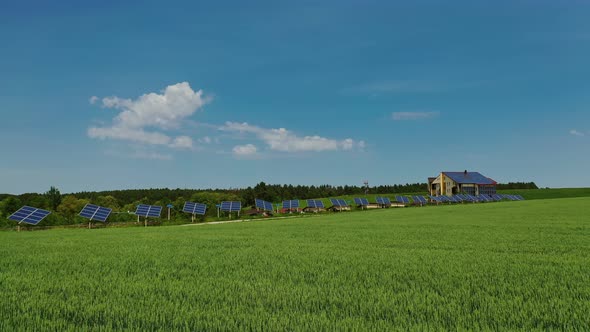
<point x="452" y="183"/>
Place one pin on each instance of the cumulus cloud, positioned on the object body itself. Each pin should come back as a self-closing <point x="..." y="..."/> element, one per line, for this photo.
<point x="284" y="140"/>
<point x="182" y="142"/>
<point x="205" y="140"/>
<point x="413" y="116"/>
<point x="576" y="133"/>
<point x="162" y="111"/>
<point x="247" y="150"/>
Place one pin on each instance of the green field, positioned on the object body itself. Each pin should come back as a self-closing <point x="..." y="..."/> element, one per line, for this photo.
<point x="509" y="265"/>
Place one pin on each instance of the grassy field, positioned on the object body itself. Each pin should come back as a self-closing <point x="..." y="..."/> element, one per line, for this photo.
<point x="549" y="193"/>
<point x="510" y="265"/>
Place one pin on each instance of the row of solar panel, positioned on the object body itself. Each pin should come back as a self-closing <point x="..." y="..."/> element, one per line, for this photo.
<point x="33" y="216"/>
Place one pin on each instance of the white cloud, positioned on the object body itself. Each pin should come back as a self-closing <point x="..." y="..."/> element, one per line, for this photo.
<point x="164" y="111"/>
<point x="151" y="156"/>
<point x="247" y="150"/>
<point x="182" y="142"/>
<point x="205" y="140"/>
<point x="93" y="99"/>
<point x="412" y="116"/>
<point x="576" y="133"/>
<point x="286" y="141"/>
<point x="135" y="135"/>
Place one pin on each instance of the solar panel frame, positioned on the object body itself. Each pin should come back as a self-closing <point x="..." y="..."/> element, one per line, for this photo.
<point x="231" y="206"/>
<point x="335" y="202"/>
<point x="291" y="204"/>
<point x="264" y="205"/>
<point x="195" y="208"/>
<point x="94" y="212"/>
<point x="361" y="201"/>
<point x="29" y="215"/>
<point x="315" y="203"/>
<point x="144" y="210"/>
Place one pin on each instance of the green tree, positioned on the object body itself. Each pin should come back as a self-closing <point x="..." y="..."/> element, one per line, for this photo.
<point x="10" y="205"/>
<point x="71" y="206"/>
<point x="54" y="197"/>
<point x="107" y="201"/>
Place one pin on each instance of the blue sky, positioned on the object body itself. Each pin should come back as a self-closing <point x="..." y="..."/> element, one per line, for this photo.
<point x="193" y="94"/>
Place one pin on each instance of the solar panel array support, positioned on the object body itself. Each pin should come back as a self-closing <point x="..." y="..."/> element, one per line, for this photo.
<point x="29" y="215"/>
<point x="383" y="201"/>
<point x="291" y="205"/>
<point x="94" y="212"/>
<point x="263" y="205"/>
<point x="230" y="206"/>
<point x="362" y="202"/>
<point x="315" y="204"/>
<point x="194" y="209"/>
<point x="146" y="211"/>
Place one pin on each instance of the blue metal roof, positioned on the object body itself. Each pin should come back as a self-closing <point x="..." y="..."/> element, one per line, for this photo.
<point x="469" y="177"/>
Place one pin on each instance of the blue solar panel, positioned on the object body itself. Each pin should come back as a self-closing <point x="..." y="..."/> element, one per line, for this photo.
<point x="95" y="212"/>
<point x="195" y="208"/>
<point x="231" y="206"/>
<point x="264" y="205"/>
<point x="29" y="215"/>
<point x="342" y="202"/>
<point x="402" y="199"/>
<point x="315" y="203"/>
<point x="335" y="202"/>
<point x="520" y="198"/>
<point x="292" y="204"/>
<point x="361" y="201"/>
<point x="148" y="210"/>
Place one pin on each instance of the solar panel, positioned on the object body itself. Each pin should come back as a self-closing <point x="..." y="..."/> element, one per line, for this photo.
<point x="315" y="203"/>
<point x="435" y="198"/>
<point x="520" y="198"/>
<point x="335" y="201"/>
<point x="383" y="200"/>
<point x="95" y="212"/>
<point x="231" y="206"/>
<point x="361" y="201"/>
<point x="195" y="208"/>
<point x="292" y="204"/>
<point x="144" y="210"/>
<point x="342" y="202"/>
<point x="264" y="205"/>
<point x="402" y="199"/>
<point x="29" y="215"/>
<point x="458" y="199"/>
